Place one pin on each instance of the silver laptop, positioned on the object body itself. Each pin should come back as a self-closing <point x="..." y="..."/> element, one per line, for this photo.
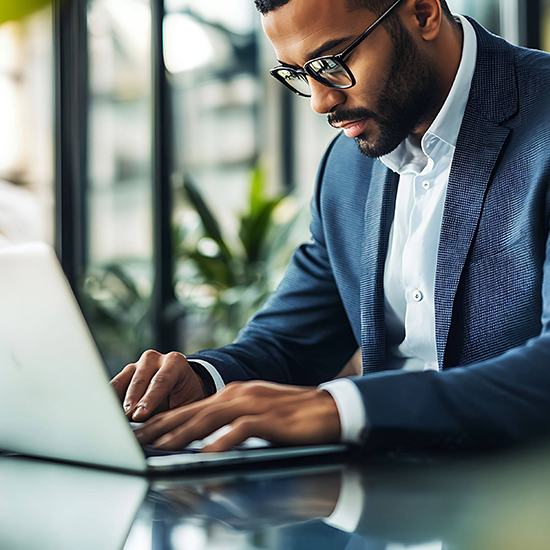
<point x="55" y="398"/>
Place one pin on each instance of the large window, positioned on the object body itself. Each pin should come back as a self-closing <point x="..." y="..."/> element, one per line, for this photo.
<point x="26" y="130"/>
<point x="228" y="204"/>
<point x="234" y="142"/>
<point x="488" y="13"/>
<point x="119" y="271"/>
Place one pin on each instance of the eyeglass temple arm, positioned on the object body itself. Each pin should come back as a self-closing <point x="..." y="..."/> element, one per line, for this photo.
<point x="360" y="39"/>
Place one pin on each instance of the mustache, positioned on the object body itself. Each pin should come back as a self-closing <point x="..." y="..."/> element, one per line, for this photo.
<point x="350" y="115"/>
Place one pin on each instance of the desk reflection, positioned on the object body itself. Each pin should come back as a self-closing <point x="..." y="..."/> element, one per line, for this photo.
<point x="483" y="503"/>
<point x="47" y="506"/>
<point x="495" y="501"/>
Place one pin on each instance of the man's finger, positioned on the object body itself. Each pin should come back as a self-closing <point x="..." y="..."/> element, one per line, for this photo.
<point x="173" y="369"/>
<point x="122" y="380"/>
<point x="211" y="413"/>
<point x="157" y="391"/>
<point x="204" y="423"/>
<point x="146" y="368"/>
<point x="166" y="422"/>
<point x="241" y="430"/>
<point x="200" y="425"/>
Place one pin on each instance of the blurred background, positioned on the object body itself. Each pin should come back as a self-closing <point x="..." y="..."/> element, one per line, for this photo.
<point x="146" y="141"/>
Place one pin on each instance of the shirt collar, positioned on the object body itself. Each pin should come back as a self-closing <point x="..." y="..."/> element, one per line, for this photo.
<point x="446" y="125"/>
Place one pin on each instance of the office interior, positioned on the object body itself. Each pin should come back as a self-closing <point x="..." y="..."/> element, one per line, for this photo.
<point x="114" y="111"/>
<point x="142" y="139"/>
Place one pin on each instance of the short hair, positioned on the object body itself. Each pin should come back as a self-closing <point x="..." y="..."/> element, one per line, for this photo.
<point x="376" y="6"/>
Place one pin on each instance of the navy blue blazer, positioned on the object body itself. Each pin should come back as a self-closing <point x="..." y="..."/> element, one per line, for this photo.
<point x="492" y="290"/>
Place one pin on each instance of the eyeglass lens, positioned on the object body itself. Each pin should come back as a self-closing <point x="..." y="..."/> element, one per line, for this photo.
<point x="296" y="81"/>
<point x="328" y="71"/>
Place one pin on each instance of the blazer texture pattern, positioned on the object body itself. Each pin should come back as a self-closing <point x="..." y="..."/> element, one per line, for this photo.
<point x="492" y="289"/>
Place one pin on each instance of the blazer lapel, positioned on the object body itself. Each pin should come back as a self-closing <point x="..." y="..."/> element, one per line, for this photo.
<point x="378" y="216"/>
<point x="466" y="191"/>
<point x="492" y="100"/>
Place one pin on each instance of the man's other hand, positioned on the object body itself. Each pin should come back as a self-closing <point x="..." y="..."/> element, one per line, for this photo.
<point x="156" y="383"/>
<point x="282" y="414"/>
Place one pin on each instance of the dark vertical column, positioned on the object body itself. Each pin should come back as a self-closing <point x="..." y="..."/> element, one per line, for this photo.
<point x="529" y="23"/>
<point x="71" y="132"/>
<point x="533" y="9"/>
<point x="165" y="309"/>
<point x="288" y="141"/>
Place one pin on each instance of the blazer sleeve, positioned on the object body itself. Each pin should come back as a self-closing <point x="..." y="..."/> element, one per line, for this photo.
<point x="499" y="402"/>
<point x="302" y="334"/>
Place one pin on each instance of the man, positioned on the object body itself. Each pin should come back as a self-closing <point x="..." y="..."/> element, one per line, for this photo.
<point x="429" y="249"/>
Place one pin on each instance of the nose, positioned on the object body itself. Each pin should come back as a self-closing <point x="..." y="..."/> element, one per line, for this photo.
<point x="324" y="99"/>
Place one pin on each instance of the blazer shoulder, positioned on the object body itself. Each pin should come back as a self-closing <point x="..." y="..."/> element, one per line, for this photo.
<point x="533" y="81"/>
<point x="532" y="60"/>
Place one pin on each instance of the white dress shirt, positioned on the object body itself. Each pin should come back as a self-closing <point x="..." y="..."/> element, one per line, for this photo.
<point x="409" y="274"/>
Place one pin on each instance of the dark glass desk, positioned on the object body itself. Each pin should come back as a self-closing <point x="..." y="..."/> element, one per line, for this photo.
<point x="498" y="501"/>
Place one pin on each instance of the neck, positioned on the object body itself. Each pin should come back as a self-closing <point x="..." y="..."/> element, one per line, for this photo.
<point x="447" y="54"/>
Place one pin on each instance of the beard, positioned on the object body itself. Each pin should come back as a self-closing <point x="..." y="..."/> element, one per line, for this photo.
<point x="409" y="98"/>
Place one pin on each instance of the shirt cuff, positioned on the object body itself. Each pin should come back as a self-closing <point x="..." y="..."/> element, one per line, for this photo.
<point x="218" y="380"/>
<point x="349" y="401"/>
<point x="351" y="501"/>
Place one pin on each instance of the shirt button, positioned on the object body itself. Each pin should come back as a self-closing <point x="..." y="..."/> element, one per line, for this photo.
<point x="417" y="296"/>
<point x="426" y="184"/>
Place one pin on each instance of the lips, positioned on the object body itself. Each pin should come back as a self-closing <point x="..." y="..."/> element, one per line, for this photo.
<point x="354" y="129"/>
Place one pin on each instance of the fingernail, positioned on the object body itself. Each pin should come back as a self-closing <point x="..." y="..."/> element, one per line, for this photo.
<point x="142" y="407"/>
<point x="127" y="407"/>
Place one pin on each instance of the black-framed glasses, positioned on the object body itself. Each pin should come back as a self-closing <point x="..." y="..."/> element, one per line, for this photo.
<point x="329" y="70"/>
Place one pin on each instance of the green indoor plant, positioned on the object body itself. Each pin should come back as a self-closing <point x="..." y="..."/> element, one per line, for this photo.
<point x="222" y="283"/>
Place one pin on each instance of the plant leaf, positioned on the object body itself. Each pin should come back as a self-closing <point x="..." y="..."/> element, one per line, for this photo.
<point x="254" y="229"/>
<point x="209" y="222"/>
<point x="214" y="270"/>
<point x="257" y="191"/>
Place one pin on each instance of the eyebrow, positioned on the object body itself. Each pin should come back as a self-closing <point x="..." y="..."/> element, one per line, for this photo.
<point x="327" y="46"/>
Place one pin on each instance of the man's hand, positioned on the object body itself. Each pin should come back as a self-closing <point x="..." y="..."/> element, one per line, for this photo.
<point x="155" y="383"/>
<point x="288" y="415"/>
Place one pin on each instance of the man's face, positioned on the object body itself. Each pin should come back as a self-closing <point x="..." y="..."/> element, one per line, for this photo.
<point x="397" y="87"/>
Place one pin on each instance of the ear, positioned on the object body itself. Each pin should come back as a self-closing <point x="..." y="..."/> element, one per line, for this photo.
<point x="428" y="16"/>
